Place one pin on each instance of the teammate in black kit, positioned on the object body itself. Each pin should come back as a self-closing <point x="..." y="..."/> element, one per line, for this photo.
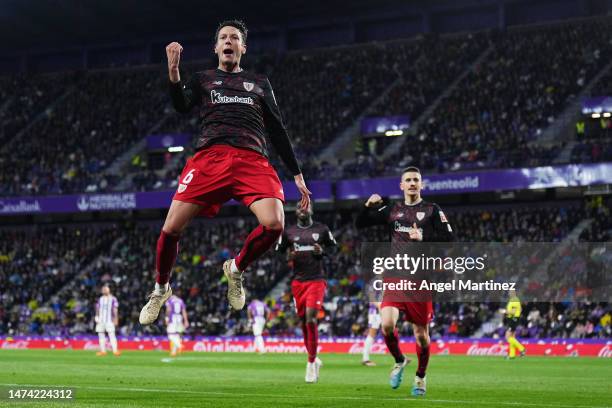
<point x="412" y="219"/>
<point x="307" y="242"/>
<point x="237" y="110"/>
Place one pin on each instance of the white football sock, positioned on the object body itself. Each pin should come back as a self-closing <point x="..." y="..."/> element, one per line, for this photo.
<point x="175" y="342"/>
<point x="113" y="341"/>
<point x="233" y="267"/>
<point x="102" y="340"/>
<point x="259" y="344"/>
<point x="367" y="346"/>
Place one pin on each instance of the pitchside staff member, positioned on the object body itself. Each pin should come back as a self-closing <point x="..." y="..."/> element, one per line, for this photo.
<point x="512" y="316"/>
<point x="412" y="219"/>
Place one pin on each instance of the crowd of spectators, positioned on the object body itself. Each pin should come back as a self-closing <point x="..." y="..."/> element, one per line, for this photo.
<point x="501" y="224"/>
<point x="583" y="320"/>
<point x="128" y="267"/>
<point x="79" y="137"/>
<point x="322" y="92"/>
<point x="35" y="263"/>
<point x="594" y="134"/>
<point x="24" y="97"/>
<point x="489" y="120"/>
<point x="503" y="105"/>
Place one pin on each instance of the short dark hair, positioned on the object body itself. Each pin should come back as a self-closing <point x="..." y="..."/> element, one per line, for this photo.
<point x="238" y="24"/>
<point x="411" y="168"/>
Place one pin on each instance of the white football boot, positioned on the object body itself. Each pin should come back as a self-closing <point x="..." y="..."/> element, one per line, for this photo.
<point x="235" y="291"/>
<point x="311" y="373"/>
<point x="150" y="311"/>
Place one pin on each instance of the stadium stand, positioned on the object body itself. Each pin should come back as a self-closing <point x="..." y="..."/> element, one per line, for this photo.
<point x="492" y="117"/>
<point x="122" y="254"/>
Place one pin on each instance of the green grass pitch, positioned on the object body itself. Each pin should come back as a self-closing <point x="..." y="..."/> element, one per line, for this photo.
<point x="142" y="379"/>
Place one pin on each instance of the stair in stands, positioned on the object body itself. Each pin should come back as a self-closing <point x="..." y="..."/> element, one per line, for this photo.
<point x="563" y="128"/>
<point x="40" y="116"/>
<point x="396" y="145"/>
<point x="343" y="146"/>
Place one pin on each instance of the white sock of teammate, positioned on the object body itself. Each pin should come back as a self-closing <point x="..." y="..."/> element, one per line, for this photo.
<point x="175" y="342"/>
<point x="102" y="340"/>
<point x="367" y="346"/>
<point x="113" y="341"/>
<point x="259" y="344"/>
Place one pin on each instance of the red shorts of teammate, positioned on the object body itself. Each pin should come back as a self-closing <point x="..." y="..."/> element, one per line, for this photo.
<point x="221" y="172"/>
<point x="420" y="313"/>
<point x="308" y="294"/>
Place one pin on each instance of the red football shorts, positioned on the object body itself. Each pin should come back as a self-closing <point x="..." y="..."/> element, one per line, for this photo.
<point x="308" y="294"/>
<point x="420" y="313"/>
<point x="219" y="173"/>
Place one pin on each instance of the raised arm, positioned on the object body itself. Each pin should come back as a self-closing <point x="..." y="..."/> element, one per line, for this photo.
<point x="375" y="212"/>
<point x="184" y="96"/>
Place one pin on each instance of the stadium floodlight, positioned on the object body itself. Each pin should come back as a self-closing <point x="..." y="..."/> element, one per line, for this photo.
<point x="607" y="115"/>
<point x="596" y="115"/>
<point x="394" y="132"/>
<point x="176" y="149"/>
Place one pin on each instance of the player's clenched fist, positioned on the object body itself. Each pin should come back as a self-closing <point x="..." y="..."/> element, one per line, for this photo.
<point x="374" y="200"/>
<point x="173" y="52"/>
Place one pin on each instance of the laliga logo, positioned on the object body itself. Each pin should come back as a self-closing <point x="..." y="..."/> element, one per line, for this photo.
<point x="494" y="350"/>
<point x="90" y="346"/>
<point x="199" y="346"/>
<point x="606" y="351"/>
<point x="22" y="344"/>
<point x="377" y="348"/>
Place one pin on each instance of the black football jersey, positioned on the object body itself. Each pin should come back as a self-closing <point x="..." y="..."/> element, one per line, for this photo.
<point x="306" y="264"/>
<point x="235" y="108"/>
<point x="401" y="218"/>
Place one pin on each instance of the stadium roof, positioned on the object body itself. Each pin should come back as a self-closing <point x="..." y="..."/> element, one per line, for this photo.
<point x="44" y="24"/>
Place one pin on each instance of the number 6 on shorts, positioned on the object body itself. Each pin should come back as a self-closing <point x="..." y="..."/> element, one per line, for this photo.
<point x="188" y="177"/>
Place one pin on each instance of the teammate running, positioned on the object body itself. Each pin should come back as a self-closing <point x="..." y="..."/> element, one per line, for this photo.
<point x="410" y="220"/>
<point x="307" y="242"/>
<point x="237" y="109"/>
<point x="258" y="313"/>
<point x="107" y="319"/>
<point x="176" y="323"/>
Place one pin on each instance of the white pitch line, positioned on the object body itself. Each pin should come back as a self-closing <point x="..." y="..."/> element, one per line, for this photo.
<point x="323" y="397"/>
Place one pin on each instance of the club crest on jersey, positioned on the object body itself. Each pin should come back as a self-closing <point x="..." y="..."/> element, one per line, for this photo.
<point x="248" y="86"/>
<point x="315" y="236"/>
<point x="420" y="215"/>
<point x="443" y="217"/>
